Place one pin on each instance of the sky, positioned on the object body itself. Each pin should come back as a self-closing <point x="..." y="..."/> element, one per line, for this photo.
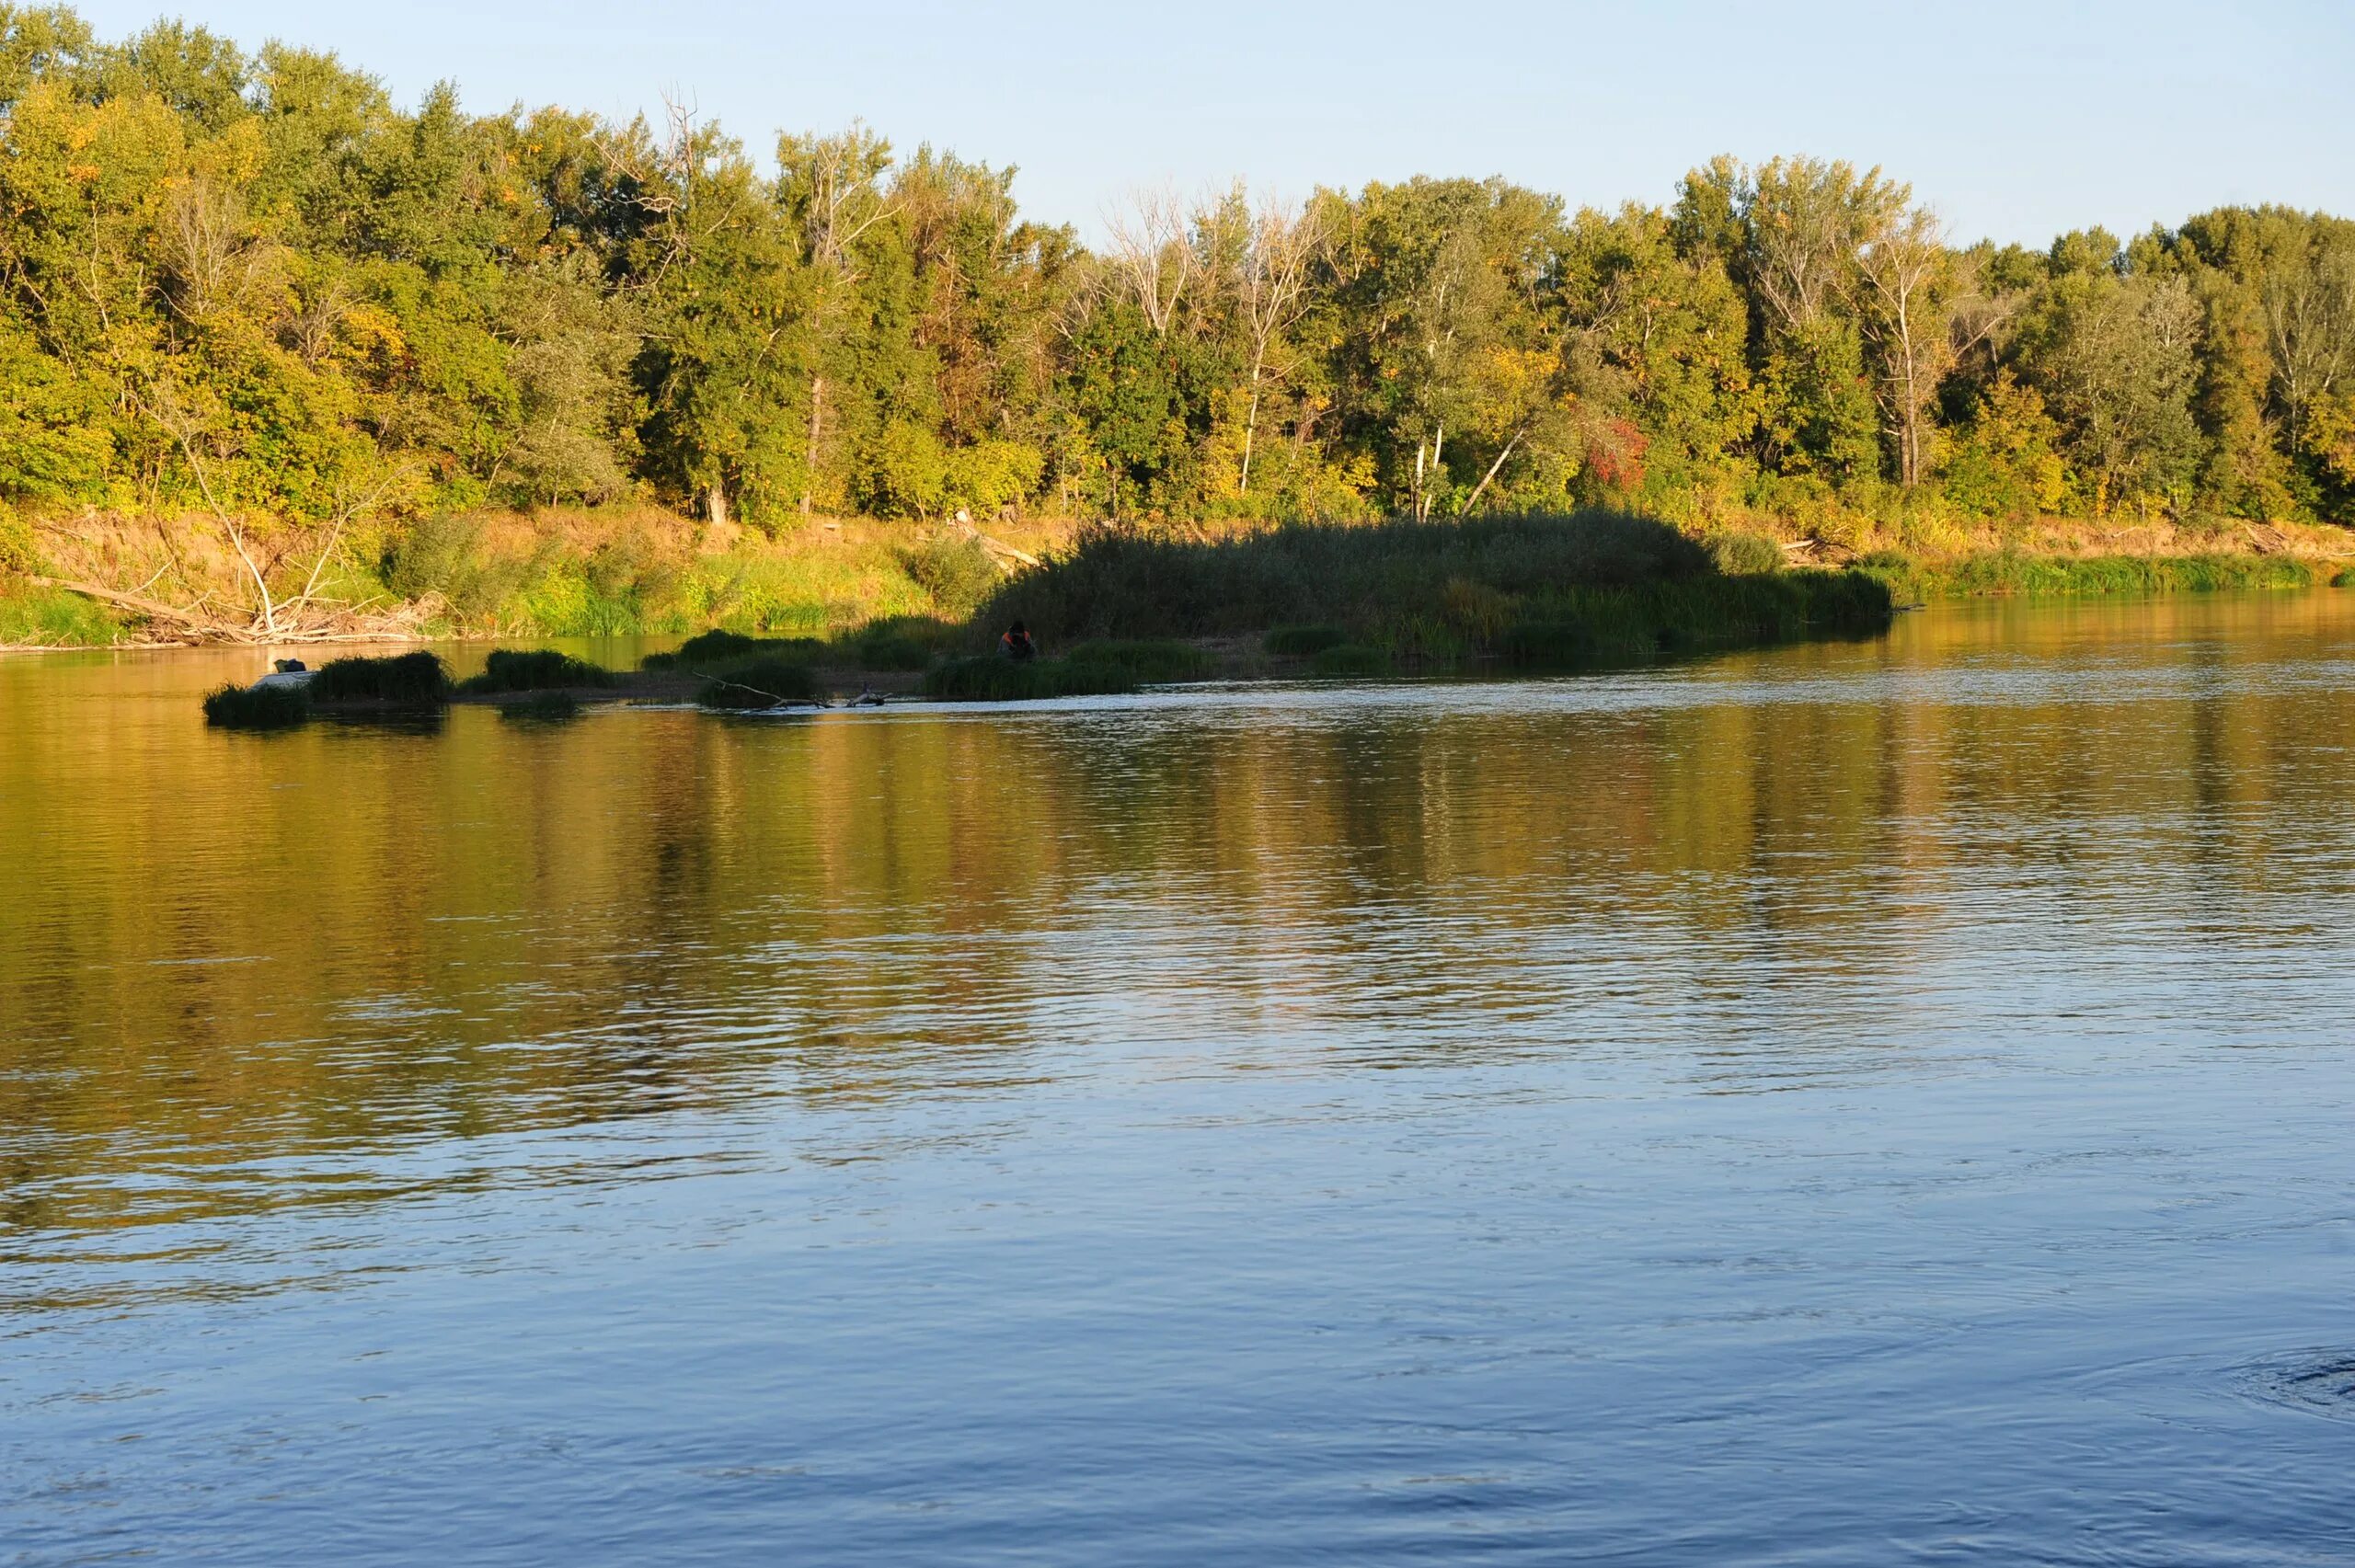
<point x="2016" y="121"/>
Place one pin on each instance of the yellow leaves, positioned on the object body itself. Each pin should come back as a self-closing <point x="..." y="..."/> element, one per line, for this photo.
<point x="375" y="334"/>
<point x="82" y="174"/>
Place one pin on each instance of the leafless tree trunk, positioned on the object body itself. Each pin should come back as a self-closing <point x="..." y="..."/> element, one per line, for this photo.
<point x="1152" y="255"/>
<point x="2310" y="331"/>
<point x="1284" y="246"/>
<point x="1899" y="270"/>
<point x="1503" y="452"/>
<point x="174" y="420"/>
<point x="817" y="425"/>
<point x="844" y="199"/>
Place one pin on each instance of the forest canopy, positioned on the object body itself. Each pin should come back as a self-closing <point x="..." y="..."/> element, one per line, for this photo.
<point x="249" y="282"/>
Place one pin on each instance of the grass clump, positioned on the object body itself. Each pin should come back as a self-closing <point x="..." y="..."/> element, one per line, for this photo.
<point x="901" y="641"/>
<point x="1152" y="662"/>
<point x="991" y="680"/>
<point x="705" y="647"/>
<point x="1737" y="554"/>
<point x="542" y="708"/>
<point x="1372" y="578"/>
<point x="1303" y="642"/>
<point x="257" y="707"/>
<point x="42" y="617"/>
<point x="762" y="683"/>
<point x="412" y="680"/>
<point x="541" y="669"/>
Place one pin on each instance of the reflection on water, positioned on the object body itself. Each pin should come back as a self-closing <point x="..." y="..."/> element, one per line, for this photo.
<point x="1839" y="1105"/>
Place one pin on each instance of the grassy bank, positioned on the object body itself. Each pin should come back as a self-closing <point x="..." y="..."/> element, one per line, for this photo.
<point x="2001" y="573"/>
<point x="1419" y="593"/>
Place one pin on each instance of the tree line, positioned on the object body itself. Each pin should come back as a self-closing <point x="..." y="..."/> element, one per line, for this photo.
<point x="248" y="282"/>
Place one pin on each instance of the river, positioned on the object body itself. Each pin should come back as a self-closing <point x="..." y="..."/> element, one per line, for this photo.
<point x="1860" y="1104"/>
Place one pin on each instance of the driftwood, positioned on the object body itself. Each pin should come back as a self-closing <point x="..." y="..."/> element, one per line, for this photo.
<point x="192" y="623"/>
<point x="996" y="546"/>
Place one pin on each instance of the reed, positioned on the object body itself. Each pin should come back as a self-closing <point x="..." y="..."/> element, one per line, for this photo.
<point x="257" y="707"/>
<point x="409" y="680"/>
<point x="539" y="670"/>
<point x="1444" y="594"/>
<point x="1999" y="574"/>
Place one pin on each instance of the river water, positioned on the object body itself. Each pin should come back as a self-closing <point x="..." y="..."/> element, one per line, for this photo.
<point x="1860" y="1105"/>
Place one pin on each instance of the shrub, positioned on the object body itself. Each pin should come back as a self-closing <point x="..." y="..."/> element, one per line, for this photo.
<point x="958" y="573"/>
<point x="1299" y="642"/>
<point x="996" y="680"/>
<point x="19" y="551"/>
<point x="902" y="642"/>
<point x="989" y="474"/>
<point x="1351" y="658"/>
<point x="1130" y="585"/>
<point x="762" y="683"/>
<point x="541" y="669"/>
<point x="1737" y="554"/>
<point x="411" y="679"/>
<point x="54" y="617"/>
<point x="257" y="707"/>
<point x="1153" y="662"/>
<point x="704" y="647"/>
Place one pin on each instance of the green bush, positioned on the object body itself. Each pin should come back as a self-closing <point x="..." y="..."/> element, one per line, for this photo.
<point x="762" y="683"/>
<point x="704" y="648"/>
<point x="957" y="573"/>
<point x="995" y="680"/>
<point x="19" y="552"/>
<point x="1299" y="642"/>
<point x="257" y="707"/>
<point x="53" y="617"/>
<point x="1351" y="659"/>
<point x="1155" y="662"/>
<point x="902" y="642"/>
<point x="1121" y="584"/>
<point x="1737" y="554"/>
<point x="411" y="679"/>
<point x="540" y="670"/>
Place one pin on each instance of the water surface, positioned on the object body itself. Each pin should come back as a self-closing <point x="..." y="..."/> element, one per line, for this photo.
<point x="1860" y="1105"/>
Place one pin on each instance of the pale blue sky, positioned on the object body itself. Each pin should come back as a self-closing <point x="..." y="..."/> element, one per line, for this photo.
<point x="2014" y="119"/>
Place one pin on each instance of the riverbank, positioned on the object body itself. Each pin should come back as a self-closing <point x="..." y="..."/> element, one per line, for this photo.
<point x="624" y="571"/>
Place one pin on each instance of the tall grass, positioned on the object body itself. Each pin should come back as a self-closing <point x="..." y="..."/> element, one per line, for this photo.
<point x="408" y="679"/>
<point x="257" y="707"/>
<point x="2019" y="574"/>
<point x="32" y="617"/>
<point x="540" y="670"/>
<point x="1357" y="576"/>
<point x="1536" y="588"/>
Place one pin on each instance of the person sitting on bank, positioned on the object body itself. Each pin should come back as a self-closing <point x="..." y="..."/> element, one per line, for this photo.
<point x="1017" y="643"/>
